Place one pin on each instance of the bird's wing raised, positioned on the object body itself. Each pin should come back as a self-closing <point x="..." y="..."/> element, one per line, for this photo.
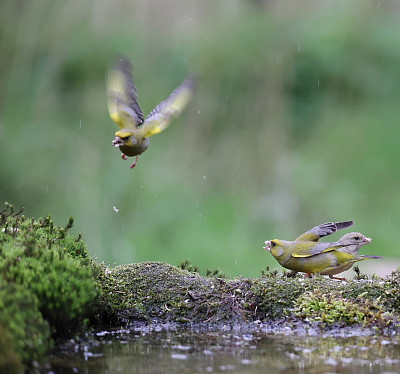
<point x="122" y="96"/>
<point x="325" y="229"/>
<point x="163" y="114"/>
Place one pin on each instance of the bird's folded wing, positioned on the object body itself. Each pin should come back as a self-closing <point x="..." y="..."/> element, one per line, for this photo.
<point x="122" y="96"/>
<point x="309" y="251"/>
<point x="163" y="114"/>
<point x="325" y="229"/>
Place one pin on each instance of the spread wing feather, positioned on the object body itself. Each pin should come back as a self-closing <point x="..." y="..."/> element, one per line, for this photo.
<point x="122" y="96"/>
<point x="325" y="229"/>
<point x="163" y="114"/>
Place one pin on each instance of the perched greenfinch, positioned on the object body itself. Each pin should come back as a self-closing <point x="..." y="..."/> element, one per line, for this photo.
<point x="306" y="254"/>
<point x="132" y="138"/>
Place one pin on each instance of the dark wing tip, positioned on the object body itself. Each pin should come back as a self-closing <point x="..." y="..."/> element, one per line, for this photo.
<point x="122" y="63"/>
<point x="343" y="225"/>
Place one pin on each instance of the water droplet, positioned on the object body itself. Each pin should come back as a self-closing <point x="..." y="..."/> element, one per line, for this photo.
<point x="204" y="177"/>
<point x="116" y="210"/>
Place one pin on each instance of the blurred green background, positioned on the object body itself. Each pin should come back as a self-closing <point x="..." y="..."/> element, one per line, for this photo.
<point x="295" y="122"/>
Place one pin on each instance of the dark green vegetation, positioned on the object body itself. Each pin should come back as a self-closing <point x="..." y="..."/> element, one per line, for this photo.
<point x="46" y="286"/>
<point x="294" y="123"/>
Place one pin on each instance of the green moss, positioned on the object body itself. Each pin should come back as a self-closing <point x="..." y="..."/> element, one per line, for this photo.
<point x="49" y="270"/>
<point x="155" y="290"/>
<point x="275" y="294"/>
<point x="330" y="308"/>
<point x="23" y="325"/>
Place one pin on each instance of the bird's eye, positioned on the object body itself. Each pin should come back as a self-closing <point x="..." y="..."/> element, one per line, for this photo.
<point x="273" y="244"/>
<point x="356" y="238"/>
<point x="125" y="138"/>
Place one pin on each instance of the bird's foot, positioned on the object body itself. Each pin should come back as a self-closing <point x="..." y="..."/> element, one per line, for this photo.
<point x="308" y="275"/>
<point x="341" y="279"/>
<point x="134" y="162"/>
<point x="124" y="157"/>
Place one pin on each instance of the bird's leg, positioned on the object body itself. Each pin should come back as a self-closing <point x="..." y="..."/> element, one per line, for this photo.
<point x="134" y="162"/>
<point x="341" y="279"/>
<point x="124" y="157"/>
<point x="308" y="275"/>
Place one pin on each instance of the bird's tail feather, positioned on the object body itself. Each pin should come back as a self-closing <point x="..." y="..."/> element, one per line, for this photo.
<point x="366" y="257"/>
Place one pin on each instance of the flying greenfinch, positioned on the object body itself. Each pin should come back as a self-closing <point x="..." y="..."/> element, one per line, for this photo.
<point x="306" y="254"/>
<point x="132" y="138"/>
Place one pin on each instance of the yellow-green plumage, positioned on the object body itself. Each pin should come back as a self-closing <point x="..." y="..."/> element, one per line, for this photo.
<point x="133" y="136"/>
<point x="306" y="254"/>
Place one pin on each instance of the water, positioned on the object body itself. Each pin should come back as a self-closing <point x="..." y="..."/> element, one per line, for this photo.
<point x="189" y="351"/>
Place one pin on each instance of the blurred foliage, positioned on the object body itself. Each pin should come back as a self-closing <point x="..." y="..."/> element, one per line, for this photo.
<point x="294" y="123"/>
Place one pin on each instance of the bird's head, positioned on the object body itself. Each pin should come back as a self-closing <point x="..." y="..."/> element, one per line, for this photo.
<point x="274" y="246"/>
<point x="124" y="138"/>
<point x="354" y="238"/>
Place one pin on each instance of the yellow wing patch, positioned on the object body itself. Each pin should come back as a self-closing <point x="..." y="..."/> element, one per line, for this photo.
<point x="310" y="249"/>
<point x="164" y="113"/>
<point x="122" y="96"/>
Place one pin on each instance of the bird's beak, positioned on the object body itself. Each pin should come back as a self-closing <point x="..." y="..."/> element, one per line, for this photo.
<point x="267" y="245"/>
<point x="117" y="141"/>
<point x="367" y="240"/>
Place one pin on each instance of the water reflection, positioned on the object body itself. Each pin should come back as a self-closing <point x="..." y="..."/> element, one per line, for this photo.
<point x="160" y="351"/>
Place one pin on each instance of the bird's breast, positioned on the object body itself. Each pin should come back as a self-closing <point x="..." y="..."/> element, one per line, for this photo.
<point x="134" y="150"/>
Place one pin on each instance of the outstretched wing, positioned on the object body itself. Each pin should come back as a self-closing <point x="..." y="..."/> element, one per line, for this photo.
<point x="163" y="114"/>
<point x="325" y="229"/>
<point x="122" y="96"/>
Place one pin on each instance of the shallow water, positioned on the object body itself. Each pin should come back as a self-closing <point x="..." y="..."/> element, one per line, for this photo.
<point x="190" y="351"/>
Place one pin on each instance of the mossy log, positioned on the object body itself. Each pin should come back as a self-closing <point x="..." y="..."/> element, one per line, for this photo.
<point x="158" y="292"/>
